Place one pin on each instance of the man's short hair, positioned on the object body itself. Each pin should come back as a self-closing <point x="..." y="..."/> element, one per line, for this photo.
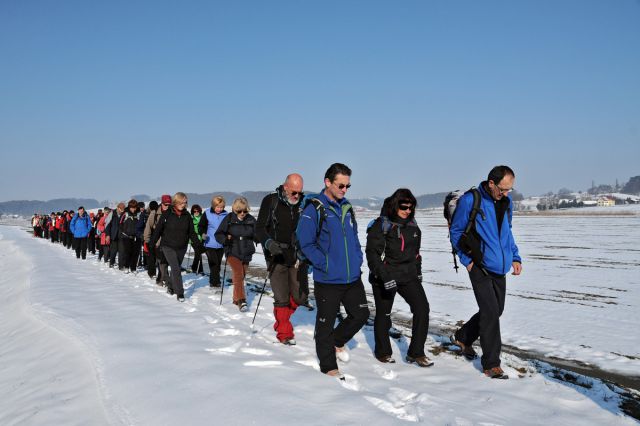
<point x="499" y="172"/>
<point x="337" y="169"/>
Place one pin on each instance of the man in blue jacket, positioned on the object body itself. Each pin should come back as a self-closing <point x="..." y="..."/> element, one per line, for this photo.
<point x="80" y="227"/>
<point x="328" y="237"/>
<point x="497" y="253"/>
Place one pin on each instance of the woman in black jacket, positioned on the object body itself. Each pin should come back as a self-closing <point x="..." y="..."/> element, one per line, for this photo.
<point x="175" y="229"/>
<point x="393" y="255"/>
<point x="236" y="233"/>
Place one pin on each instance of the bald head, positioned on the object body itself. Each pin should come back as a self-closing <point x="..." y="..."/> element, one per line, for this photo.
<point x="293" y="186"/>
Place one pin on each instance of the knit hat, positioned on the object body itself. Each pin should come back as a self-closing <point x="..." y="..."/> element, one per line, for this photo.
<point x="166" y="199"/>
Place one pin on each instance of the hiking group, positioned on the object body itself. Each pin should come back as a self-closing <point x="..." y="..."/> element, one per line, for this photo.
<point x="317" y="234"/>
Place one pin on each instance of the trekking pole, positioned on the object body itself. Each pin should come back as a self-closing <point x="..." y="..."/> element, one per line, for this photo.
<point x="264" y="285"/>
<point x="224" y="275"/>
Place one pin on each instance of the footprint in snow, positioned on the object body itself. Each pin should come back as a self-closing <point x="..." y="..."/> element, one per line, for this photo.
<point x="255" y="351"/>
<point x="350" y="382"/>
<point x="309" y="362"/>
<point x="263" y="363"/>
<point x="228" y="350"/>
<point x="390" y="408"/>
<point x="225" y="332"/>
<point x="210" y="320"/>
<point x="384" y="373"/>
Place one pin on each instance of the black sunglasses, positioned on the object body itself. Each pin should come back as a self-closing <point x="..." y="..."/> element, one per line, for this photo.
<point x="343" y="186"/>
<point x="295" y="193"/>
<point x="242" y="211"/>
<point x="405" y="207"/>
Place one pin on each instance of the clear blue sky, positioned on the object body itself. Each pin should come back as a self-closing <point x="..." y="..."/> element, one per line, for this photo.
<point x="105" y="99"/>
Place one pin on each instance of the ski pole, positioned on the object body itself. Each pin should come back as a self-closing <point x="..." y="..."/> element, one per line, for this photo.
<point x="264" y="285"/>
<point x="224" y="275"/>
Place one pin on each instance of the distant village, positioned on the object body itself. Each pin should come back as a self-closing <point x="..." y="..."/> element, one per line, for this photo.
<point x="596" y="196"/>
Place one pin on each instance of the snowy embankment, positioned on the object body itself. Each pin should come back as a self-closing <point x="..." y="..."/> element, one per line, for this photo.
<point x="84" y="344"/>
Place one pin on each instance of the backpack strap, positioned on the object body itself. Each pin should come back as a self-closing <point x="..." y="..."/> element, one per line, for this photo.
<point x="474" y="210"/>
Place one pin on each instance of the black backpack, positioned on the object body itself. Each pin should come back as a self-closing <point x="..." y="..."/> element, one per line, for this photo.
<point x="470" y="241"/>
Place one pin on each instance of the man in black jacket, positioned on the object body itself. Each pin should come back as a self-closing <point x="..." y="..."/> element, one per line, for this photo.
<point x="275" y="230"/>
<point x="113" y="231"/>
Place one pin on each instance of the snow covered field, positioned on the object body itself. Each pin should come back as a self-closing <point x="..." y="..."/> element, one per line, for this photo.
<point x="84" y="344"/>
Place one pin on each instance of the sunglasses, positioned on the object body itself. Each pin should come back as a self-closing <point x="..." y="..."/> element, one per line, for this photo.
<point x="343" y="186"/>
<point x="242" y="212"/>
<point x="295" y="193"/>
<point x="405" y="207"/>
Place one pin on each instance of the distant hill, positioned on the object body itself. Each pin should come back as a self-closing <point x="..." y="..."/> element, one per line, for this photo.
<point x="29" y="207"/>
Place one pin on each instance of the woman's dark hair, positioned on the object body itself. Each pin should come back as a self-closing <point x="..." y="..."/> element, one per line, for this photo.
<point x="498" y="173"/>
<point x="153" y="205"/>
<point x="336" y="169"/>
<point x="196" y="208"/>
<point x="400" y="196"/>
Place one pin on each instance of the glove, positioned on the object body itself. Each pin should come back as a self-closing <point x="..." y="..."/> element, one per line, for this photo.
<point x="420" y="278"/>
<point x="145" y="247"/>
<point x="274" y="248"/>
<point x="390" y="285"/>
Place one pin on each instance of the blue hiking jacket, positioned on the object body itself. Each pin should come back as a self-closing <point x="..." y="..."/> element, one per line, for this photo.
<point x="80" y="226"/>
<point x="213" y="222"/>
<point x="499" y="249"/>
<point x="336" y="254"/>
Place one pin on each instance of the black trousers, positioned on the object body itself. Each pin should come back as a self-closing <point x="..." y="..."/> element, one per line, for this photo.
<point x="69" y="240"/>
<point x="128" y="254"/>
<point x="113" y="252"/>
<point x="214" y="258"/>
<point x="80" y="244"/>
<point x="328" y="300"/>
<point x="413" y="293"/>
<point x="174" y="259"/>
<point x="490" y="291"/>
<point x="151" y="261"/>
<point x="54" y="235"/>
<point x="91" y="242"/>
<point x="197" y="266"/>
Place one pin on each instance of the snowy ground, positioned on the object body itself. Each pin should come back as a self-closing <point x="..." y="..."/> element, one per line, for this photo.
<point x="84" y="344"/>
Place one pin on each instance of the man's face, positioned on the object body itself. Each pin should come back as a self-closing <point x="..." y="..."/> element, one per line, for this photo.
<point x="293" y="191"/>
<point x="500" y="190"/>
<point x="338" y="188"/>
<point x="80" y="212"/>
<point x="120" y="208"/>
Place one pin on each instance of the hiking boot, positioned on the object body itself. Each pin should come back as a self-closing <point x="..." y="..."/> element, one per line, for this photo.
<point x="495" y="373"/>
<point x="387" y="359"/>
<point x="335" y="373"/>
<point x="170" y="291"/>
<point x="466" y="350"/>
<point x="342" y="354"/>
<point x="308" y="305"/>
<point x="243" y="306"/>
<point x="180" y="299"/>
<point x="214" y="285"/>
<point x="422" y="361"/>
<point x="289" y="341"/>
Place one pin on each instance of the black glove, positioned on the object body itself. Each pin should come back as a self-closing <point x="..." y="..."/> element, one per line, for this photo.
<point x="274" y="248"/>
<point x="420" y="278"/>
<point x="390" y="285"/>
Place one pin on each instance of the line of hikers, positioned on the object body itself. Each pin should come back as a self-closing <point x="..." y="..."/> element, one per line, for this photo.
<point x="317" y="231"/>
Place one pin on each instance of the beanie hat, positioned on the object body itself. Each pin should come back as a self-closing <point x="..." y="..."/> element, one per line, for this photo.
<point x="166" y="199"/>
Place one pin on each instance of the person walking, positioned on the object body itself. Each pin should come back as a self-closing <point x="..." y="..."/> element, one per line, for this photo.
<point x="395" y="265"/>
<point x="174" y="230"/>
<point x="236" y="233"/>
<point x="154" y="255"/>
<point x="488" y="251"/>
<point x="80" y="227"/>
<point x="275" y="230"/>
<point x="127" y="239"/>
<point x="196" y="265"/>
<point x="328" y="237"/>
<point x="211" y="220"/>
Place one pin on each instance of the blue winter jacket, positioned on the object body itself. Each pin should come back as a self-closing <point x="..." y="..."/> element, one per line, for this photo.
<point x="213" y="222"/>
<point x="499" y="249"/>
<point x="336" y="255"/>
<point x="80" y="226"/>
